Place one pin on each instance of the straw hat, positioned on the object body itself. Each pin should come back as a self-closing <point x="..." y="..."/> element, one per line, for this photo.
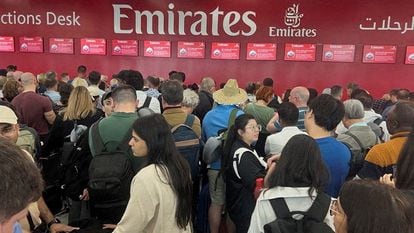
<point x="230" y="94"/>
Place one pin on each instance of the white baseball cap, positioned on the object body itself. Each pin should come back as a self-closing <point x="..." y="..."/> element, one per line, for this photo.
<point x="7" y="115"/>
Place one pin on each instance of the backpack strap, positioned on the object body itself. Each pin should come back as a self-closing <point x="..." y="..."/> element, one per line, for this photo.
<point x="378" y="121"/>
<point x="232" y="118"/>
<point x="99" y="144"/>
<point x="147" y="102"/>
<point x="124" y="144"/>
<point x="237" y="158"/>
<point x="189" y="120"/>
<point x="355" y="139"/>
<point x="319" y="207"/>
<point x="97" y="139"/>
<point x="280" y="208"/>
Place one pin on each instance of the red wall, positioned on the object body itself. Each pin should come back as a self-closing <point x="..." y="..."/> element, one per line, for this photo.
<point x="335" y="21"/>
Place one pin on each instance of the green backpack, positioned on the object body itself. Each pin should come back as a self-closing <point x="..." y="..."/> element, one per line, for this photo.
<point x="29" y="140"/>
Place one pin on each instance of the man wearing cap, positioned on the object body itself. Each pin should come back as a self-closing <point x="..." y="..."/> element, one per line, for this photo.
<point x="106" y="102"/>
<point x="9" y="130"/>
<point x="215" y="120"/>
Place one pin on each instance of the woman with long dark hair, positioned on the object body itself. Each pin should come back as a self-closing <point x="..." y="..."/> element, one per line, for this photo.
<point x="161" y="192"/>
<point x="241" y="167"/>
<point x="403" y="177"/>
<point x="298" y="177"/>
<point x="366" y="206"/>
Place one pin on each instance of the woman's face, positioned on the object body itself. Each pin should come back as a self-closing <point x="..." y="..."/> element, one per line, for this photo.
<point x="138" y="146"/>
<point x="340" y="220"/>
<point x="251" y="132"/>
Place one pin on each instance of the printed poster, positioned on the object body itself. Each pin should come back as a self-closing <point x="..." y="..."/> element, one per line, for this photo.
<point x="225" y="51"/>
<point x="379" y="54"/>
<point x="31" y="44"/>
<point x="6" y="44"/>
<point x="61" y="45"/>
<point x="124" y="47"/>
<point x="261" y="51"/>
<point x="338" y="53"/>
<point x="300" y="52"/>
<point x="157" y="48"/>
<point x="93" y="46"/>
<point x="409" y="55"/>
<point x="191" y="49"/>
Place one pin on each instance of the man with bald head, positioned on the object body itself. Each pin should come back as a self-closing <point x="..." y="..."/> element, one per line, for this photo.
<point x="35" y="110"/>
<point x="299" y="96"/>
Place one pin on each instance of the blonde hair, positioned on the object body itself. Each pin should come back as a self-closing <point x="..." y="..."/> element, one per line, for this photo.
<point x="79" y="82"/>
<point x="80" y="104"/>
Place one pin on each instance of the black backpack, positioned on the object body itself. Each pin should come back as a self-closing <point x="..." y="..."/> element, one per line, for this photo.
<point x="188" y="144"/>
<point x="312" y="221"/>
<point x="110" y="173"/>
<point x="357" y="156"/>
<point x="74" y="162"/>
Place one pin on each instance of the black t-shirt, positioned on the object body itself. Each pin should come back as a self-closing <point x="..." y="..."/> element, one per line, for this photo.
<point x="240" y="199"/>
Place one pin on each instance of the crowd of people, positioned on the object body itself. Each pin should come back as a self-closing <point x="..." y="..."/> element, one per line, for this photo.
<point x="129" y="154"/>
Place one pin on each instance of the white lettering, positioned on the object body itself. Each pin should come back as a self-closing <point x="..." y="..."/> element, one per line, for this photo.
<point x="202" y="22"/>
<point x="171" y="19"/>
<point x="199" y="22"/>
<point x="13" y="18"/>
<point x="227" y="24"/>
<point x="181" y="21"/>
<point x="62" y="20"/>
<point x="118" y="16"/>
<point x="149" y="16"/>
<point x="214" y="24"/>
<point x="249" y="22"/>
<point x="292" y="21"/>
<point x="50" y="18"/>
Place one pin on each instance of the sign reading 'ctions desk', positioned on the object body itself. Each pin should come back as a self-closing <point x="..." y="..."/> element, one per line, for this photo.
<point x="61" y="45"/>
<point x="379" y="54"/>
<point x="31" y="44"/>
<point x="409" y="55"/>
<point x="157" y="48"/>
<point x="338" y="53"/>
<point x="226" y="51"/>
<point x="257" y="51"/>
<point x="93" y="46"/>
<point x="6" y="44"/>
<point x="124" y="47"/>
<point x="300" y="52"/>
<point x="191" y="49"/>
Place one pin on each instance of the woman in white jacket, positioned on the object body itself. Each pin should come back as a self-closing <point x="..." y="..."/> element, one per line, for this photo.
<point x="297" y="177"/>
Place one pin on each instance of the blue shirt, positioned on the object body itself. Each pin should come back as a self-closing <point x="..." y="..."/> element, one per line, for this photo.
<point x="17" y="228"/>
<point x="215" y="120"/>
<point x="336" y="157"/>
<point x="54" y="96"/>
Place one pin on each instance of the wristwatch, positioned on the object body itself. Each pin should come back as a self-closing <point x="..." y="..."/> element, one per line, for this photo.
<point x="55" y="220"/>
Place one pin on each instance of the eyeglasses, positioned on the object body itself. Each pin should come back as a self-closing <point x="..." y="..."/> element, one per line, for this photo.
<point x="255" y="127"/>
